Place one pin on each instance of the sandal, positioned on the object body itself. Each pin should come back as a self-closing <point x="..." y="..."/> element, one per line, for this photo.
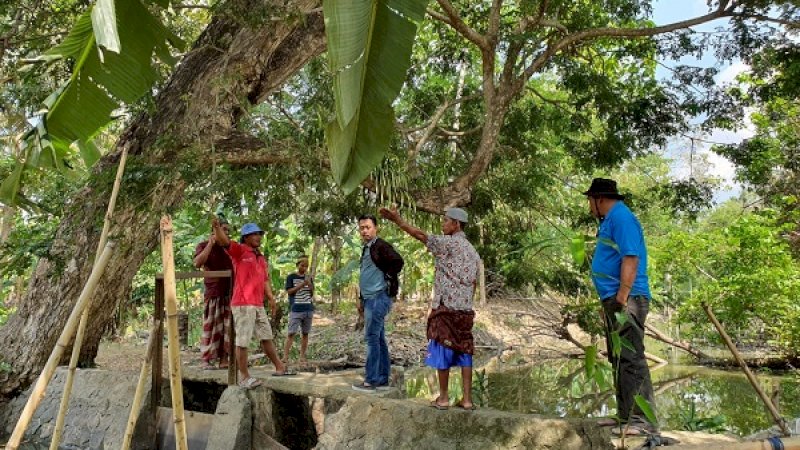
<point x="435" y="404"/>
<point x="250" y="383"/>
<point x="206" y="366"/>
<point x="285" y="373"/>
<point x="607" y="422"/>
<point x="628" y="430"/>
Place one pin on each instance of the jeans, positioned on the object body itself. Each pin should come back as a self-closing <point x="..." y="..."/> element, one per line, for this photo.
<point x="631" y="374"/>
<point x="378" y="363"/>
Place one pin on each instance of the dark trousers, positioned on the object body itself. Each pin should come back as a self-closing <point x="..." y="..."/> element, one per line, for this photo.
<point x="631" y="374"/>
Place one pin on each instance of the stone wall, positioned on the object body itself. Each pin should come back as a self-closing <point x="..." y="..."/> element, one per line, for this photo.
<point x="364" y="422"/>
<point x="304" y="412"/>
<point x="96" y="417"/>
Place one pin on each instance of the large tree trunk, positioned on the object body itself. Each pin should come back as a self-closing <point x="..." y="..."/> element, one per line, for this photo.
<point x="232" y="66"/>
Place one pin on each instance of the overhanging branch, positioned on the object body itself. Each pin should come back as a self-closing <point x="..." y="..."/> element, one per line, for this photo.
<point x="454" y="20"/>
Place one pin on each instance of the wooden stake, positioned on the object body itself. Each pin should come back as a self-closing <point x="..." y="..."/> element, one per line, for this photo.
<point x="133" y="417"/>
<point x="37" y="394"/>
<point x="170" y="299"/>
<point x="76" y="346"/>
<point x="776" y="415"/>
<point x="792" y="443"/>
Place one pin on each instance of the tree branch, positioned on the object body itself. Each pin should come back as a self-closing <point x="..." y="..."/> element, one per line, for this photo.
<point x="459" y="133"/>
<point x="593" y="33"/>
<point x="461" y="27"/>
<point x="494" y="23"/>
<point x="546" y="23"/>
<point x="440" y="17"/>
<point x="763" y="18"/>
<point x="432" y="126"/>
<point x="548" y="100"/>
<point x="243" y="149"/>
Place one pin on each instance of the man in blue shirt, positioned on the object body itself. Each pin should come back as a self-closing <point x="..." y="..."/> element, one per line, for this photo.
<point x="619" y="273"/>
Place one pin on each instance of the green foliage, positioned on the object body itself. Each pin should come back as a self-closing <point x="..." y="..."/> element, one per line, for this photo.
<point x="103" y="79"/>
<point x="691" y="421"/>
<point x="745" y="271"/>
<point x="646" y="408"/>
<point x="369" y="45"/>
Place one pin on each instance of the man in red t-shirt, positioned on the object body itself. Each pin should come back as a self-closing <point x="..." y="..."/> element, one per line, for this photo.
<point x="215" y="344"/>
<point x="251" y="284"/>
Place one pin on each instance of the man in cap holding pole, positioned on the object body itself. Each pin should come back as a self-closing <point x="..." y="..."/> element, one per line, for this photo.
<point x="450" y="341"/>
<point x="619" y="273"/>
<point x="251" y="285"/>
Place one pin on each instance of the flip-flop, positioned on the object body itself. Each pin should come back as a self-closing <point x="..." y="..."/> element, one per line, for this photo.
<point x="629" y="430"/>
<point x="607" y="422"/>
<point x="435" y="404"/>
<point x="250" y="383"/>
<point x="207" y="366"/>
<point x="285" y="373"/>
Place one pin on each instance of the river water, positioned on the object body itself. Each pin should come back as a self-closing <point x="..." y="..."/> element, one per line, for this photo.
<point x="687" y="397"/>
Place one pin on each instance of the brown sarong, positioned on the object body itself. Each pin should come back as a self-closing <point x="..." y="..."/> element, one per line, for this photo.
<point x="452" y="328"/>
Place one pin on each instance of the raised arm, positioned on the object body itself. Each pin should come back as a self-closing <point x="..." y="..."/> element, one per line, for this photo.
<point x="393" y="216"/>
<point x="202" y="256"/>
<point x="219" y="233"/>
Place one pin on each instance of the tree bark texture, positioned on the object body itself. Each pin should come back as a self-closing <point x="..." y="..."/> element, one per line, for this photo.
<point x="233" y="65"/>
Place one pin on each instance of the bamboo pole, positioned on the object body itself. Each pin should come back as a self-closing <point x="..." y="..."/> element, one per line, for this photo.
<point x="171" y="303"/>
<point x="133" y="417"/>
<point x="37" y="394"/>
<point x="78" y="343"/>
<point x="776" y="415"/>
<point x="792" y="443"/>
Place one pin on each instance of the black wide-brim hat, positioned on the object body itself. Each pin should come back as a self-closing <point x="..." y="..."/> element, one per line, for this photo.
<point x="604" y="187"/>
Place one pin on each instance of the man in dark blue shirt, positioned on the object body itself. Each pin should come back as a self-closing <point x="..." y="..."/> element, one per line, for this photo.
<point x="619" y="273"/>
<point x="300" y="288"/>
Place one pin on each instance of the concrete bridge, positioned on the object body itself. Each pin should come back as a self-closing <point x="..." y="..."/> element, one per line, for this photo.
<point x="308" y="411"/>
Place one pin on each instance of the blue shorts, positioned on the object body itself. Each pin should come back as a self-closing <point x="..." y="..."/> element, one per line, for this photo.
<point x="300" y="321"/>
<point x="440" y="357"/>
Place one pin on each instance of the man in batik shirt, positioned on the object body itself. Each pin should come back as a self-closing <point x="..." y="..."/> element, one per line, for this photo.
<point x="450" y="341"/>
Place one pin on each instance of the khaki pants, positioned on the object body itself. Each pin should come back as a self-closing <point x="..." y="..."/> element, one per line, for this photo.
<point x="250" y="321"/>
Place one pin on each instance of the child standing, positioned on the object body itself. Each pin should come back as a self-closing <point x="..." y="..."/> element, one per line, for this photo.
<point x="300" y="288"/>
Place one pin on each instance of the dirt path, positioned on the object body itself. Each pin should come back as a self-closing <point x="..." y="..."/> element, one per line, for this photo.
<point x="499" y="326"/>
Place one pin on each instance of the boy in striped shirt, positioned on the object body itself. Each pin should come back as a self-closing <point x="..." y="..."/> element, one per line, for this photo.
<point x="300" y="288"/>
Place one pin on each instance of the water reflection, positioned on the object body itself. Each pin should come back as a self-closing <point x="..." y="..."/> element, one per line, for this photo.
<point x="687" y="397"/>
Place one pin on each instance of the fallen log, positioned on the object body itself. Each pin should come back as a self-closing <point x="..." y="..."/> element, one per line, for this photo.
<point x="658" y="335"/>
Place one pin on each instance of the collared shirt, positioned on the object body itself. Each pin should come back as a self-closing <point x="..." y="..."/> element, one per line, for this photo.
<point x="217" y="260"/>
<point x="457" y="264"/>
<point x="250" y="268"/>
<point x="371" y="282"/>
<point x="620" y="234"/>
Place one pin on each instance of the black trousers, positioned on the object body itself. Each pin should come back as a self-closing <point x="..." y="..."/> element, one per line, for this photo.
<point x="631" y="374"/>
